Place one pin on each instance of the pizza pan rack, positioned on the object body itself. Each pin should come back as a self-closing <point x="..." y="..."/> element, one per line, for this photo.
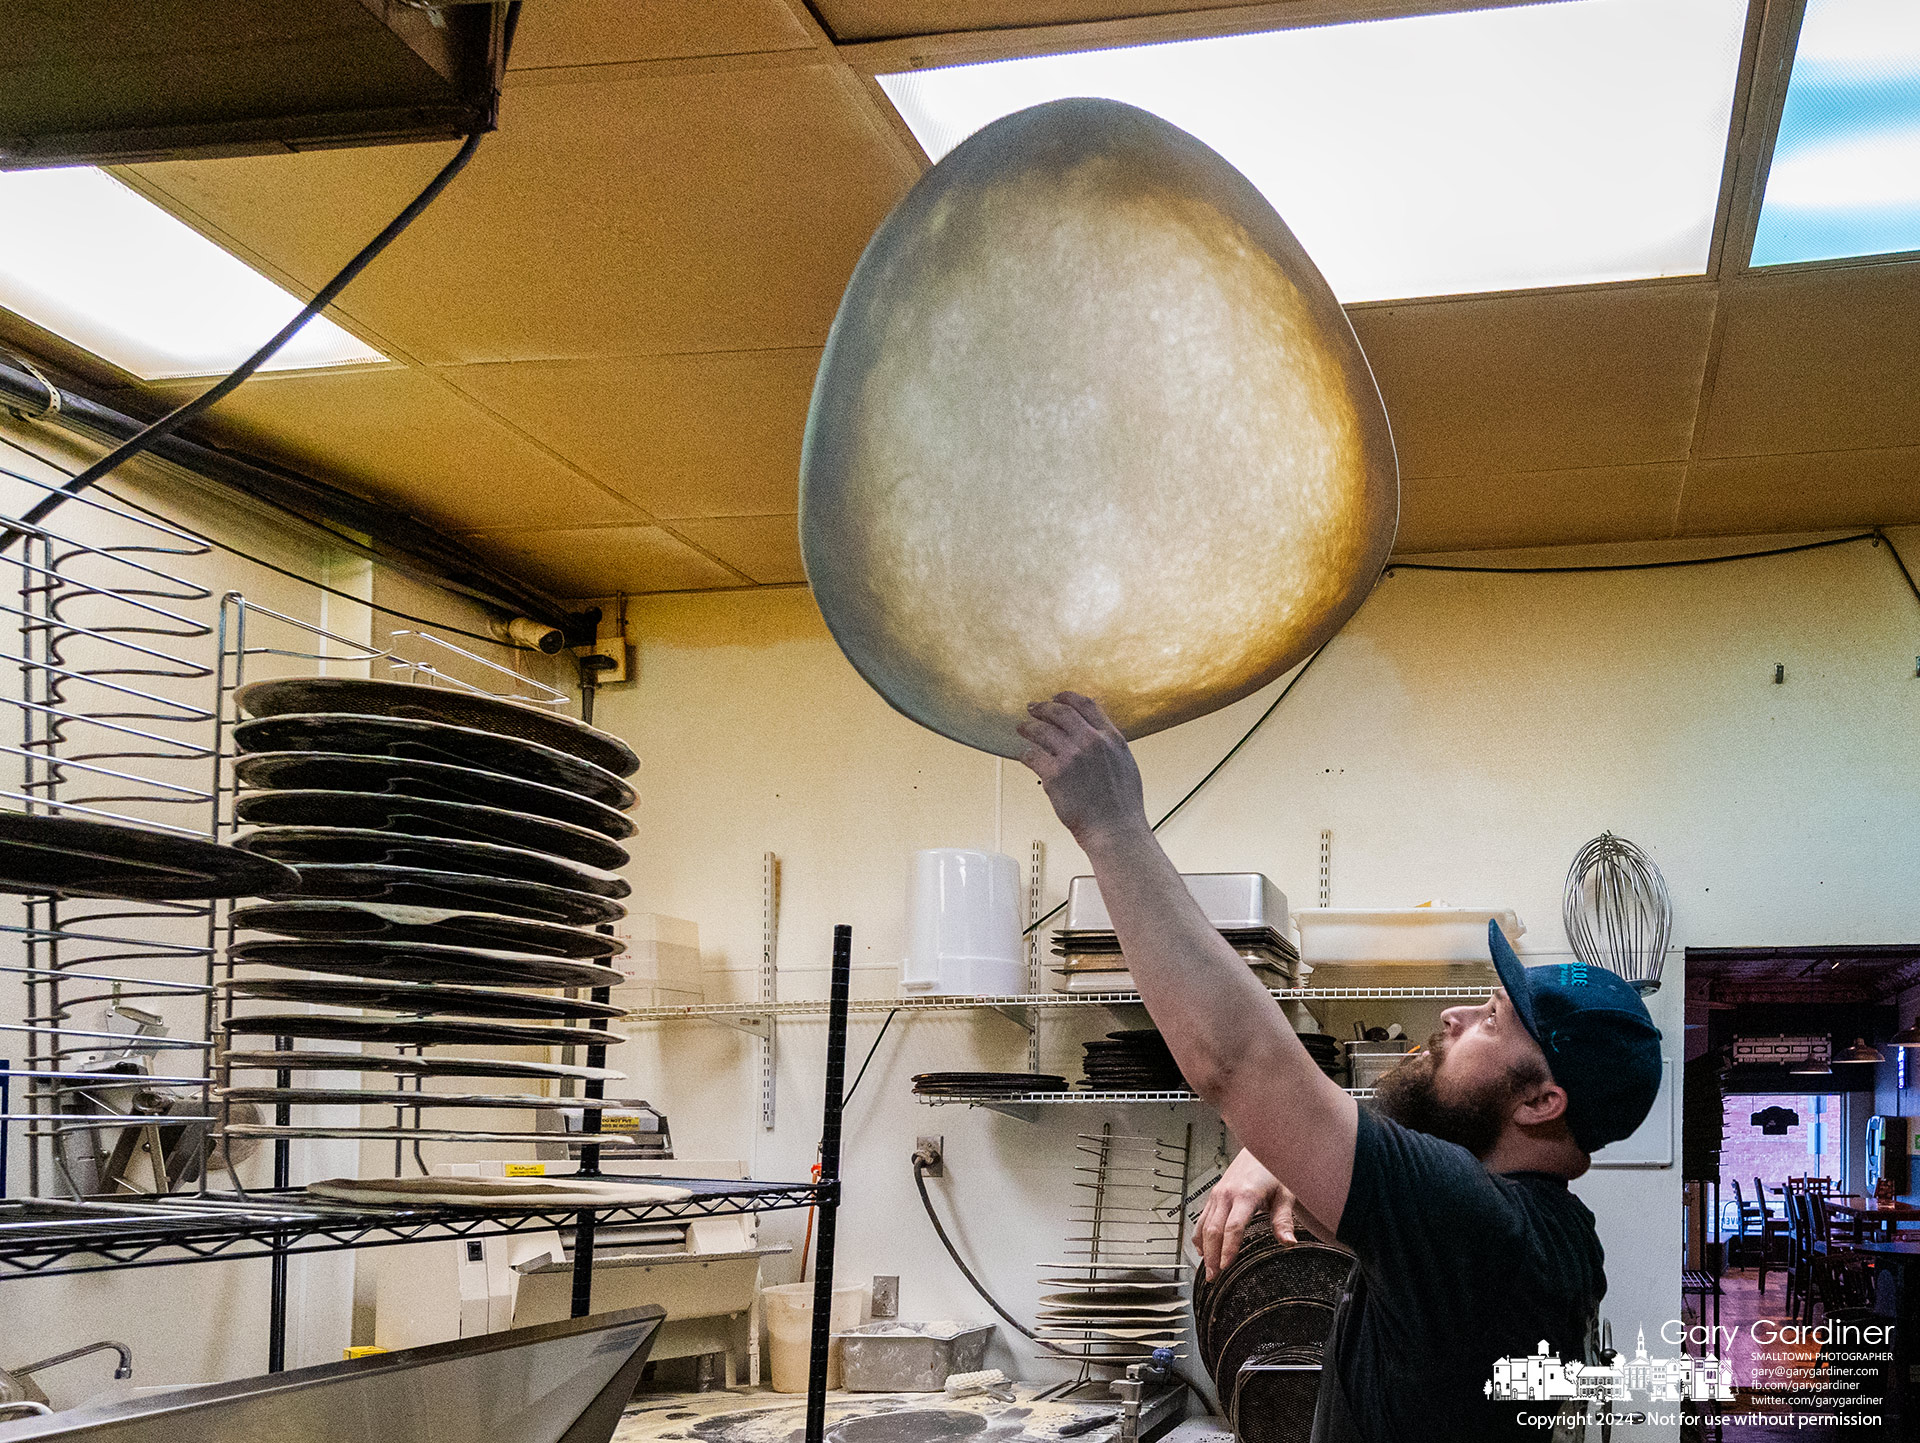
<point x="1118" y="1292"/>
<point x="108" y="862"/>
<point x="453" y="853"/>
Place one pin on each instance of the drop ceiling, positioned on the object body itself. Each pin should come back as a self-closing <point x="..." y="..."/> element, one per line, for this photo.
<point x="604" y="334"/>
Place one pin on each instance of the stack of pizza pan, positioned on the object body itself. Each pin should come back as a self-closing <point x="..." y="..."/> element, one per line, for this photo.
<point x="455" y="855"/>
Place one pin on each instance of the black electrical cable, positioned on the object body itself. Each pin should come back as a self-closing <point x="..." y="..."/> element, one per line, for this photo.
<point x="869" y="1058"/>
<point x="1877" y="536"/>
<point x="1899" y="561"/>
<point x="130" y="504"/>
<point x="187" y="411"/>
<point x="1393" y="566"/>
<point x="1214" y="770"/>
<point x="445" y="626"/>
<point x="920" y="1182"/>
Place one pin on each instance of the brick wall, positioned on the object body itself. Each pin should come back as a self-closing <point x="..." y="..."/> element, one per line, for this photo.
<point x="1746" y="1152"/>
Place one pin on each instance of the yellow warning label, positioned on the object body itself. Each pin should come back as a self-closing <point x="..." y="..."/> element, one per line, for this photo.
<point x="526" y="1169"/>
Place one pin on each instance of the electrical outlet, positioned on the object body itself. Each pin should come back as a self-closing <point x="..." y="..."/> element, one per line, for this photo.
<point x="614" y="650"/>
<point x="934" y="1149"/>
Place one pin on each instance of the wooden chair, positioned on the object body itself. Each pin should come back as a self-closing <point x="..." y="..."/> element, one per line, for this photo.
<point x="1799" y="1249"/>
<point x="1841" y="1277"/>
<point x="1757" y="1230"/>
<point x="1836" y="1232"/>
<point x="1817" y="1186"/>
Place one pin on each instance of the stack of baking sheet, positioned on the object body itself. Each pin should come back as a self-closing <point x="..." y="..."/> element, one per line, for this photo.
<point x="986" y="1084"/>
<point x="1134" y="1060"/>
<point x="454" y="854"/>
<point x="1249" y="911"/>
<point x="1118" y="1295"/>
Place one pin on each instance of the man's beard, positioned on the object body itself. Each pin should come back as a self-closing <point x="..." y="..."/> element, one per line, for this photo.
<point x="1410" y="1095"/>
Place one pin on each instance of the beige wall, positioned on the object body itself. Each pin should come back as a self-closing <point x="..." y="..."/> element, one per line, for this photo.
<point x="1461" y="738"/>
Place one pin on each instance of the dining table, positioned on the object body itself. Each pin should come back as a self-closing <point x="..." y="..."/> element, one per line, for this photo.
<point x="1897" y="1297"/>
<point x="1886" y="1216"/>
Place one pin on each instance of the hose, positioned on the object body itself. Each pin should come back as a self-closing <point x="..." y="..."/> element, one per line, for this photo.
<point x="920" y="1165"/>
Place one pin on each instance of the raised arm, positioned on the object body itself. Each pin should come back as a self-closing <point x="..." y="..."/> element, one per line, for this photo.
<point x="1232" y="1043"/>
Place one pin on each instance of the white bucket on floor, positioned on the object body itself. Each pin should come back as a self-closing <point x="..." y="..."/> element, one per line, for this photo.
<point x="790" y="1331"/>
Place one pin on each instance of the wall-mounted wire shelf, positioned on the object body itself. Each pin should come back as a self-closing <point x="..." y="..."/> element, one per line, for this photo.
<point x="1026" y="1106"/>
<point x="752" y="1016"/>
<point x="40" y="1238"/>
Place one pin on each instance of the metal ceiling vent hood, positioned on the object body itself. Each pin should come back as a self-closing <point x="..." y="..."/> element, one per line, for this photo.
<point x="105" y="82"/>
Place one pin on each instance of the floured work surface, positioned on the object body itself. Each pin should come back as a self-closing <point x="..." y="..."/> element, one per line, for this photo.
<point x="861" y="1418"/>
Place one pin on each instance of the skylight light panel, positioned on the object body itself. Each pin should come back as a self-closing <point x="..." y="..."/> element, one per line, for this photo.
<point x="97" y="263"/>
<point x="1484" y="150"/>
<point x="1845" y="178"/>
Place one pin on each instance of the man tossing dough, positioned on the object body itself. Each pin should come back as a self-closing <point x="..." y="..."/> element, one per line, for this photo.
<point x="1451" y="1188"/>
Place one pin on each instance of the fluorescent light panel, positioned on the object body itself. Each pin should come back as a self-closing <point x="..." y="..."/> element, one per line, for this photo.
<point x="99" y="264"/>
<point x="1845" y="178"/>
<point x="1483" y="150"/>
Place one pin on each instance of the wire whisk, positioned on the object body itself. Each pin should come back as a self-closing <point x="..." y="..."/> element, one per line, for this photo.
<point x="1617" y="911"/>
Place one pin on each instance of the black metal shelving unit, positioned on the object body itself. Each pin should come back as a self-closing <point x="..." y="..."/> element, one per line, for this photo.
<point x="49" y="1238"/>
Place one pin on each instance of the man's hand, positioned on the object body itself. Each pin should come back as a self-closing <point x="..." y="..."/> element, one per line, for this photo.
<point x="1244" y="1189"/>
<point x="1084" y="764"/>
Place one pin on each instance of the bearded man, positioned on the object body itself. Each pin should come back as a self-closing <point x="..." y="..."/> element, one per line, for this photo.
<point x="1451" y="1191"/>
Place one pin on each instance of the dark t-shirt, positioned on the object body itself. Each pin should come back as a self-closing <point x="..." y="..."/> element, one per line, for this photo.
<point x="1459" y="1267"/>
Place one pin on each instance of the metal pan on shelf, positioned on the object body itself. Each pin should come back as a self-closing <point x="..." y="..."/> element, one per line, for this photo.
<point x="433" y="781"/>
<point x="416" y="817"/>
<point x="425" y="703"/>
<point x="432" y="887"/>
<point x="425" y="1101"/>
<point x="412" y="962"/>
<point x="415" y="1065"/>
<point x="419" y="998"/>
<point x="80" y="857"/>
<point x="377" y="736"/>
<point x="434" y="926"/>
<point x="356" y="847"/>
<point x="415" y="1031"/>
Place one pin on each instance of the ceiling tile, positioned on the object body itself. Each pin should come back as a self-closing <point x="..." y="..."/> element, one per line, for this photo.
<point x="686" y="212"/>
<point x="599" y="561"/>
<point x="1808" y="492"/>
<point x="400" y="435"/>
<point x="1820" y="360"/>
<point x="683" y="436"/>
<point x="767" y="548"/>
<point x="1541" y="381"/>
<point x="883" y="19"/>
<point x="609" y="32"/>
<point x="1553" y="508"/>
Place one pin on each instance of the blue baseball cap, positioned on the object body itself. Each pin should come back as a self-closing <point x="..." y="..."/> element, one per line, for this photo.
<point x="1598" y="1037"/>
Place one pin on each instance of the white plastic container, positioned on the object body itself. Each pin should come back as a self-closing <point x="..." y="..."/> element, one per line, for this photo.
<point x="1231" y="900"/>
<point x="790" y="1331"/>
<point x="1407" y="936"/>
<point x="963" y="925"/>
<point x="661" y="963"/>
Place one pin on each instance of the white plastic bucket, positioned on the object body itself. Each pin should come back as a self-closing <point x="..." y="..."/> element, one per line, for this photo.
<point x="963" y="925"/>
<point x="790" y="1331"/>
